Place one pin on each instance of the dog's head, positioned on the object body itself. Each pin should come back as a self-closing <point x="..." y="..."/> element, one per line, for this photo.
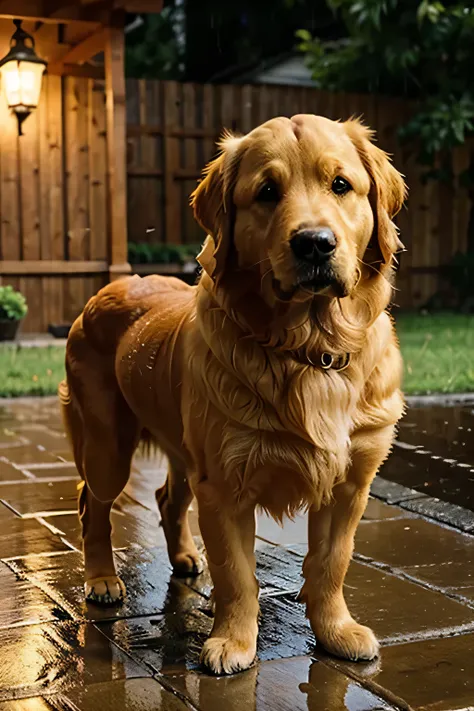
<point x="306" y="200"/>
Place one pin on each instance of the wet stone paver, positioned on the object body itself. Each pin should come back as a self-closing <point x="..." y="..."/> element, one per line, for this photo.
<point x="435" y="454"/>
<point x="412" y="580"/>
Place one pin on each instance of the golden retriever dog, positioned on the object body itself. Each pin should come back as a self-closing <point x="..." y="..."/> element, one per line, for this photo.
<point x="272" y="384"/>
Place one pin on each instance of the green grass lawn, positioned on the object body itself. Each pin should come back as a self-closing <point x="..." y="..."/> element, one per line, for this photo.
<point x="438" y="352"/>
<point x="30" y="371"/>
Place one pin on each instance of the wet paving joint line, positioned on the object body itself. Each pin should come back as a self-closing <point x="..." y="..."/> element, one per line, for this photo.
<point x="38" y="428"/>
<point x="419" y="449"/>
<point x="33" y="623"/>
<point x="35" y="556"/>
<point x="146" y="666"/>
<point x="19" y="442"/>
<point x="18" y="467"/>
<point x="45" y="514"/>
<point x="72" y="546"/>
<point x="409" y="499"/>
<point x="36" y="480"/>
<point x="405" y="445"/>
<point x="367" y="683"/>
<point x="276" y="593"/>
<point x="427" y="635"/>
<point x="12" y="509"/>
<point x="276" y="547"/>
<point x="43" y="465"/>
<point x="449" y="400"/>
<point x="161" y="679"/>
<point x="402" y="574"/>
<point x="69" y="611"/>
<point x="55" y="531"/>
<point x="439" y="521"/>
<point x="26" y="473"/>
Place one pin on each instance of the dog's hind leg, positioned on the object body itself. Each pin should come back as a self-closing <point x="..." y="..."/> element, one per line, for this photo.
<point x="173" y="499"/>
<point x="108" y="450"/>
<point x="104" y="435"/>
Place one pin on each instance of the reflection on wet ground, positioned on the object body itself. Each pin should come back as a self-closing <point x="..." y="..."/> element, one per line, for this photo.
<point x="435" y="453"/>
<point x="411" y="579"/>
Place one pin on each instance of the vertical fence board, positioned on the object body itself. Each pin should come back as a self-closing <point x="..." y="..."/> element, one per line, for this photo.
<point x="97" y="171"/>
<point x="191" y="231"/>
<point x="77" y="184"/>
<point x="30" y="189"/>
<point x="53" y="300"/>
<point x="173" y="217"/>
<point x="208" y="122"/>
<point x="9" y="191"/>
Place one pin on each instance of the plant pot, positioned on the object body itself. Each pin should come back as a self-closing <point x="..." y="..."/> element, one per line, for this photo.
<point x="8" y="329"/>
<point x="60" y="330"/>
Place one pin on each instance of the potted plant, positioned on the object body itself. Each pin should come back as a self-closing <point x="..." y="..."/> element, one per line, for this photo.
<point x="13" y="310"/>
<point x="160" y="258"/>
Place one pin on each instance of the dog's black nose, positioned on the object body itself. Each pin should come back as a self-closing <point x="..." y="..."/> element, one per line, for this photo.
<point x="315" y="246"/>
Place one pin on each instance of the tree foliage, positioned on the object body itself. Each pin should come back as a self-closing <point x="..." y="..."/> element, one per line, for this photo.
<point x="210" y="40"/>
<point x="153" y="50"/>
<point x="420" y="50"/>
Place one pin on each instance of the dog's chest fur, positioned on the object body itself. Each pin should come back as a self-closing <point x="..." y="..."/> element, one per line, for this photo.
<point x="283" y="430"/>
<point x="279" y="432"/>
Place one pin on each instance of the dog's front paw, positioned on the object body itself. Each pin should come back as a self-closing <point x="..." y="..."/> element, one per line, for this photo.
<point x="226" y="655"/>
<point x="349" y="640"/>
<point x="105" y="591"/>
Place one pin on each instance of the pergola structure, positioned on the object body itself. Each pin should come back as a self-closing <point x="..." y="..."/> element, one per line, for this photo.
<point x="68" y="34"/>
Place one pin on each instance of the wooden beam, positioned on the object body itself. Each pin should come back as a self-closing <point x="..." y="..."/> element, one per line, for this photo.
<point x="145" y="6"/>
<point x="116" y="148"/>
<point x="97" y="11"/>
<point x="35" y="267"/>
<point x="80" y="53"/>
<point x="53" y="11"/>
<point x="87" y="71"/>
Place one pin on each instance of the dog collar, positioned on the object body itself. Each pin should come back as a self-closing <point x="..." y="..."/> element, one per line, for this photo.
<point x="327" y="361"/>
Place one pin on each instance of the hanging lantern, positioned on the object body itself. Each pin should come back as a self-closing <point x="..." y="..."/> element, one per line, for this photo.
<point x="21" y="74"/>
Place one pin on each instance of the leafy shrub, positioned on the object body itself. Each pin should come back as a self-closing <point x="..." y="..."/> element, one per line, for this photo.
<point x="159" y="253"/>
<point x="13" y="305"/>
<point x="457" y="286"/>
<point x="459" y="273"/>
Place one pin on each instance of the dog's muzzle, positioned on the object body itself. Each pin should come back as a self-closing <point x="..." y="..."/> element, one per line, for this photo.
<point x="314" y="247"/>
<point x="313" y="250"/>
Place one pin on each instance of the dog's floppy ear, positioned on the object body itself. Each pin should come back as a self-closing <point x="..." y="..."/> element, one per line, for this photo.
<point x="388" y="190"/>
<point x="212" y="202"/>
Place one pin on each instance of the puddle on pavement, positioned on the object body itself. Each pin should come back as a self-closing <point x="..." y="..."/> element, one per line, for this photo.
<point x="299" y="684"/>
<point x="436" y="456"/>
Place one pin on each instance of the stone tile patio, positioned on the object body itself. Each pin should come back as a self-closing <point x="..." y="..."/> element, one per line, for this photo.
<point x="412" y="580"/>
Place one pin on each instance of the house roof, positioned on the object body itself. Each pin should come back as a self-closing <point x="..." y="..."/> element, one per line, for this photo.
<point x="286" y="69"/>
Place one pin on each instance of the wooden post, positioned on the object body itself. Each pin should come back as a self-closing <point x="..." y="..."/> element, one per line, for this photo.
<point x="116" y="148"/>
<point x="173" y="225"/>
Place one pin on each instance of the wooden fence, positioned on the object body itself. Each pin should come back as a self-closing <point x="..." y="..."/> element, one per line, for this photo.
<point x="53" y="181"/>
<point x="171" y="134"/>
<point x="53" y="231"/>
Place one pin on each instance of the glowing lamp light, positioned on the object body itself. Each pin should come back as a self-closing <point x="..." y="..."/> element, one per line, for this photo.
<point x="21" y="74"/>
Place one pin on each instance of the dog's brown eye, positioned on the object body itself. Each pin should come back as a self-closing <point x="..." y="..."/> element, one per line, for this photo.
<point x="268" y="192"/>
<point x="340" y="186"/>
